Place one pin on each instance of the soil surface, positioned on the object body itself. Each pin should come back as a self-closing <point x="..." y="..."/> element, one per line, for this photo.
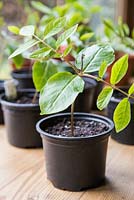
<point x="82" y="128"/>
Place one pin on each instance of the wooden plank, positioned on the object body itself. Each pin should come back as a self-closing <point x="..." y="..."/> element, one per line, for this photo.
<point x="23" y="175"/>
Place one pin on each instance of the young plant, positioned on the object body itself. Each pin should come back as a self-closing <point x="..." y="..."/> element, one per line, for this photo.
<point x="58" y="90"/>
<point x="119" y="35"/>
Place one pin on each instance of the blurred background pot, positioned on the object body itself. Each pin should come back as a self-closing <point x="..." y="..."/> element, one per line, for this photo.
<point x="20" y="120"/>
<point x="24" y="78"/>
<point x="85" y="100"/>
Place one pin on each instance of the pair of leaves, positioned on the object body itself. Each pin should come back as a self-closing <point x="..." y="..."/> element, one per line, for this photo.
<point x="60" y="92"/>
<point x="24" y="31"/>
<point x="122" y="113"/>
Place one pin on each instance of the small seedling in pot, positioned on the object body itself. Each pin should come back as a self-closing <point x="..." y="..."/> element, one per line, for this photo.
<point x="58" y="90"/>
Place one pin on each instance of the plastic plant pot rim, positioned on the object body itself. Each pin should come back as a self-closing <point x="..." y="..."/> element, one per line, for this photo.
<point x="21" y="74"/>
<point x="12" y="105"/>
<point x="94" y="117"/>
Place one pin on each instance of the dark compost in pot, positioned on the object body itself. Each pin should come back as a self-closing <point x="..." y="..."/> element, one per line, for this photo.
<point x="75" y="163"/>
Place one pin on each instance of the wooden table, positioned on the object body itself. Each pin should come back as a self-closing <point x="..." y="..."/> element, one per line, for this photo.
<point x="23" y="175"/>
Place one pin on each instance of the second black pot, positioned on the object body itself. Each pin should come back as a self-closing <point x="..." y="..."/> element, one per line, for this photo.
<point x="75" y="163"/>
<point x="20" y="120"/>
<point x="127" y="135"/>
<point x="24" y="78"/>
<point x="84" y="101"/>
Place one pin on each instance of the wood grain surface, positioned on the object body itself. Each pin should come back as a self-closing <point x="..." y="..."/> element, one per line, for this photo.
<point x="23" y="175"/>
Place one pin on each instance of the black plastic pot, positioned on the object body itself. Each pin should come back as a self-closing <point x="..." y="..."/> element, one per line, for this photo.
<point x="20" y="120"/>
<point x="75" y="163"/>
<point x="127" y="135"/>
<point x="24" y="78"/>
<point x="1" y="92"/>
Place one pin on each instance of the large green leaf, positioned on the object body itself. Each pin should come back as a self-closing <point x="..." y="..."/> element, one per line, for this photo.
<point x="27" y="30"/>
<point x="60" y="92"/>
<point x="119" y="69"/>
<point x="94" y="56"/>
<point x="104" y="97"/>
<point x="64" y="36"/>
<point x="41" y="53"/>
<point x="22" y="48"/>
<point x="54" y="27"/>
<point x="42" y="71"/>
<point x="41" y="7"/>
<point x="122" y="115"/>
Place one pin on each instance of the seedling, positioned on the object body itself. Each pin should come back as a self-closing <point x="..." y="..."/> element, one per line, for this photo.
<point x="58" y="90"/>
<point x="119" y="35"/>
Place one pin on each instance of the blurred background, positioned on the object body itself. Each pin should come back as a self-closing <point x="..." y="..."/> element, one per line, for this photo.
<point x="23" y="12"/>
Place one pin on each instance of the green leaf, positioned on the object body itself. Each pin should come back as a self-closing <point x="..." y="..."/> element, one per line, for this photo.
<point x="104" y="97"/>
<point x="119" y="69"/>
<point x="122" y="115"/>
<point x="41" y="7"/>
<point x="75" y="18"/>
<point x="18" y="61"/>
<point x="109" y="24"/>
<point x="126" y="29"/>
<point x="103" y="69"/>
<point x="14" y="29"/>
<point x="131" y="89"/>
<point x="24" y="47"/>
<point x="60" y="92"/>
<point x="41" y="53"/>
<point x="64" y="36"/>
<point x="27" y="30"/>
<point x="42" y="71"/>
<point x="87" y="36"/>
<point x="54" y="27"/>
<point x="95" y="9"/>
<point x="94" y="56"/>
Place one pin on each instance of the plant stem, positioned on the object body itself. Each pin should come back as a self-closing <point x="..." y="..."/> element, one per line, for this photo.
<point x="82" y="62"/>
<point x="34" y="97"/>
<point x="43" y="42"/>
<point x="72" y="119"/>
<point x="107" y="83"/>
